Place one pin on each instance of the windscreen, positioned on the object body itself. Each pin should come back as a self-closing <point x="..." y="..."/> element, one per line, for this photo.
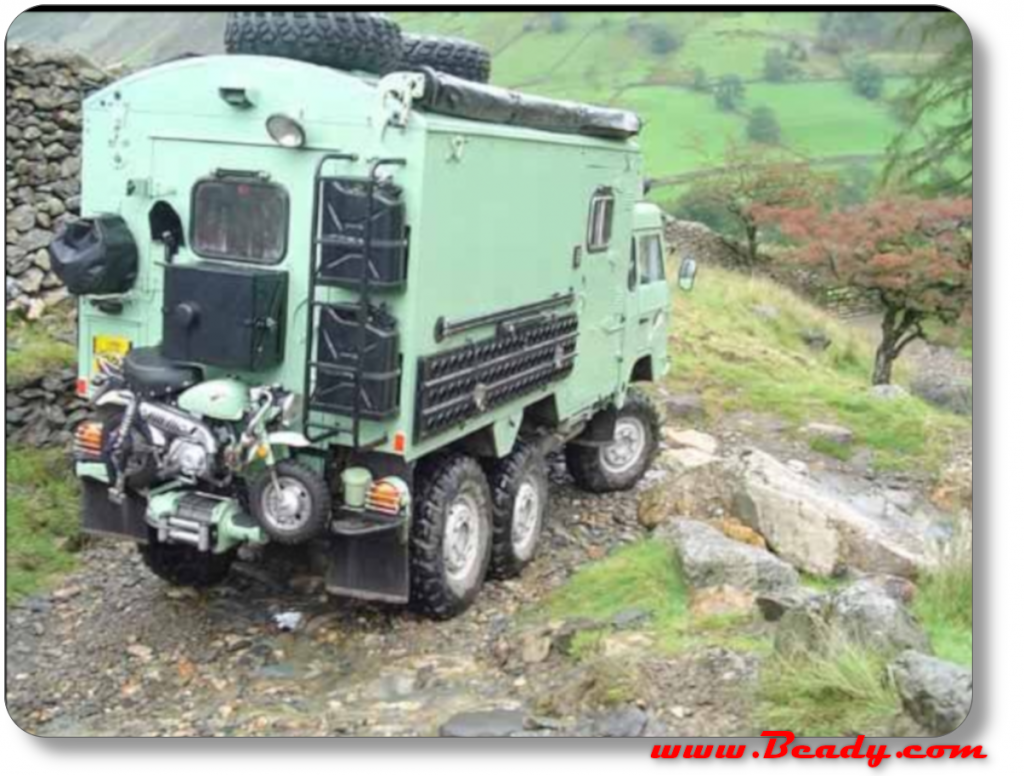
<point x="240" y="221"/>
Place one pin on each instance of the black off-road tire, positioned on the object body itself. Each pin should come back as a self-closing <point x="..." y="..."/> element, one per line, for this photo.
<point x="319" y="498"/>
<point x="185" y="566"/>
<point x="524" y="465"/>
<point x="439" y="482"/>
<point x="587" y="464"/>
<point x="346" y="40"/>
<point x="461" y="58"/>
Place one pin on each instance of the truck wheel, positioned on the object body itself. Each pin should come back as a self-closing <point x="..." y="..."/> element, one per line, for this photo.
<point x="185" y="566"/>
<point x="622" y="463"/>
<point x="296" y="509"/>
<point x="519" y="489"/>
<point x="345" y="40"/>
<point x="454" y="56"/>
<point x="451" y="536"/>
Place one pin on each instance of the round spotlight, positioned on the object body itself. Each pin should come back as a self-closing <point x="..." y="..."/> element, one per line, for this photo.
<point x="286" y="131"/>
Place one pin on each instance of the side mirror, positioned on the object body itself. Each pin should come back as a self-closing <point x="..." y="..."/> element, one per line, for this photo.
<point x="688" y="274"/>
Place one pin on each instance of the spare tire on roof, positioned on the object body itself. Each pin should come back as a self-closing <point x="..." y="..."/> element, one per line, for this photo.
<point x="346" y="40"/>
<point x="454" y="56"/>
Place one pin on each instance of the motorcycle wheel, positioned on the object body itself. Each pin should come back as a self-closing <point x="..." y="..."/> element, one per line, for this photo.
<point x="296" y="509"/>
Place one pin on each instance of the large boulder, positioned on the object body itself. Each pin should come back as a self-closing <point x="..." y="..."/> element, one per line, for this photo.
<point x="945" y="392"/>
<point x="865" y="614"/>
<point x="694" y="483"/>
<point x="821" y="530"/>
<point x="935" y="693"/>
<point x="710" y="559"/>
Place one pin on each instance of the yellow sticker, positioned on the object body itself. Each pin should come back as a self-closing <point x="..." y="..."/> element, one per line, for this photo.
<point x="110" y="348"/>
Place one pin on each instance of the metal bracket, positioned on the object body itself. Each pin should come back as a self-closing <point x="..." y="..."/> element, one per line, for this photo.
<point x="398" y="92"/>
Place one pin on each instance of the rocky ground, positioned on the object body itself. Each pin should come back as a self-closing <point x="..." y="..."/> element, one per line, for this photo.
<point x="114" y="651"/>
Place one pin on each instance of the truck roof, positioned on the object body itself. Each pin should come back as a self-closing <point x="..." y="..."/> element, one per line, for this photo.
<point x="274" y="84"/>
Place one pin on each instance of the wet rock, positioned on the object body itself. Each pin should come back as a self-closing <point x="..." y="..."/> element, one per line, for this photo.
<point x="630" y="618"/>
<point x="862" y="613"/>
<point x="22" y="218"/>
<point x="951" y="394"/>
<point x="816" y="339"/>
<point x="935" y="693"/>
<point x="720" y="600"/>
<point x="820" y="530"/>
<point x="699" y="488"/>
<point x="709" y="559"/>
<point x="536" y="646"/>
<point x="774" y="605"/>
<point x="691" y="438"/>
<point x="627" y="722"/>
<point x="484" y="724"/>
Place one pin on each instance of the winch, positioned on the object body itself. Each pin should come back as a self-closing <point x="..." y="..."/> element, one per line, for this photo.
<point x="207" y="522"/>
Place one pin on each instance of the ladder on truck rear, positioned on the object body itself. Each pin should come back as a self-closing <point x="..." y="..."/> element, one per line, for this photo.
<point x="335" y="376"/>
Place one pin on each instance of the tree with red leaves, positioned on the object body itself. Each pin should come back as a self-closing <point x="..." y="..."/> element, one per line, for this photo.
<point x="750" y="181"/>
<point x="915" y="254"/>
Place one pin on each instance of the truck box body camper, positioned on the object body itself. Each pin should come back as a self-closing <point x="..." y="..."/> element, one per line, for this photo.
<point x="399" y="290"/>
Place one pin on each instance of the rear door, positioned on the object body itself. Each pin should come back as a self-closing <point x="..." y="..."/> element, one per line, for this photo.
<point x="182" y="174"/>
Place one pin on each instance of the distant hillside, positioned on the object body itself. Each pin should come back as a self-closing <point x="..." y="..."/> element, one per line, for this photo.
<point x="661" y="64"/>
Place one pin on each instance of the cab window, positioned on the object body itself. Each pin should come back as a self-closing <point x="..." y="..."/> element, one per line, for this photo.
<point x="240" y="220"/>
<point x="652" y="262"/>
<point x="602" y="214"/>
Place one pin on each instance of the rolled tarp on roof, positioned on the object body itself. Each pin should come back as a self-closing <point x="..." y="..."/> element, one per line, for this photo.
<point x="451" y="96"/>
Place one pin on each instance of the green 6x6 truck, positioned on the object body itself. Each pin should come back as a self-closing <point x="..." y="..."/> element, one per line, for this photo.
<point x="356" y="311"/>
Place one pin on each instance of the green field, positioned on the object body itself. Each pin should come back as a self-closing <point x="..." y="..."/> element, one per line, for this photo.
<point x="615" y="58"/>
<point x="644" y="61"/>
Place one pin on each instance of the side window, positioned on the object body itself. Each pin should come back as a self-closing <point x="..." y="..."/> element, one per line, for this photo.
<point x="652" y="263"/>
<point x="602" y="214"/>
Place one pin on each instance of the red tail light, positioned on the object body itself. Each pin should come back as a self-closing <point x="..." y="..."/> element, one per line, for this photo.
<point x="89" y="440"/>
<point x="384" y="497"/>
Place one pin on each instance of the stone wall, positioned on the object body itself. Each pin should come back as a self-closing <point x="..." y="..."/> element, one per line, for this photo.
<point x="44" y="93"/>
<point x="44" y="411"/>
<point x="693" y="240"/>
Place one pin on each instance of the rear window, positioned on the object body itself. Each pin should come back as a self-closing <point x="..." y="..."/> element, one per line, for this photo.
<point x="240" y="220"/>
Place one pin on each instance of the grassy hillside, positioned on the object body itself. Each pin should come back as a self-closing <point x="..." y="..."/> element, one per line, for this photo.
<point x="740" y="361"/>
<point x="644" y="61"/>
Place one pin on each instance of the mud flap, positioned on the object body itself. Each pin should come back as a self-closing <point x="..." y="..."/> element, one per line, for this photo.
<point x="102" y="517"/>
<point x="372" y="567"/>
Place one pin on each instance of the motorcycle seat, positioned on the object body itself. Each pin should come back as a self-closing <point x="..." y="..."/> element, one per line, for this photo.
<point x="152" y="376"/>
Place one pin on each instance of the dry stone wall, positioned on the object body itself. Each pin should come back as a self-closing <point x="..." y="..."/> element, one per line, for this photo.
<point x="44" y="93"/>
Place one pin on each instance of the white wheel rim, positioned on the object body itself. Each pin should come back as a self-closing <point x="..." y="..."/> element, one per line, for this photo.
<point x="463" y="542"/>
<point x="526" y="518"/>
<point x="627" y="449"/>
<point x="287" y="507"/>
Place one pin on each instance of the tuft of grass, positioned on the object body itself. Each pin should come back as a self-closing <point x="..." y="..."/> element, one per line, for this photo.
<point x="644" y="575"/>
<point x="944" y="604"/>
<point x="34" y="350"/>
<point x="822" y="584"/>
<point x="744" y="361"/>
<point x="42" y="518"/>
<point x="832" y="448"/>
<point x="841" y="694"/>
